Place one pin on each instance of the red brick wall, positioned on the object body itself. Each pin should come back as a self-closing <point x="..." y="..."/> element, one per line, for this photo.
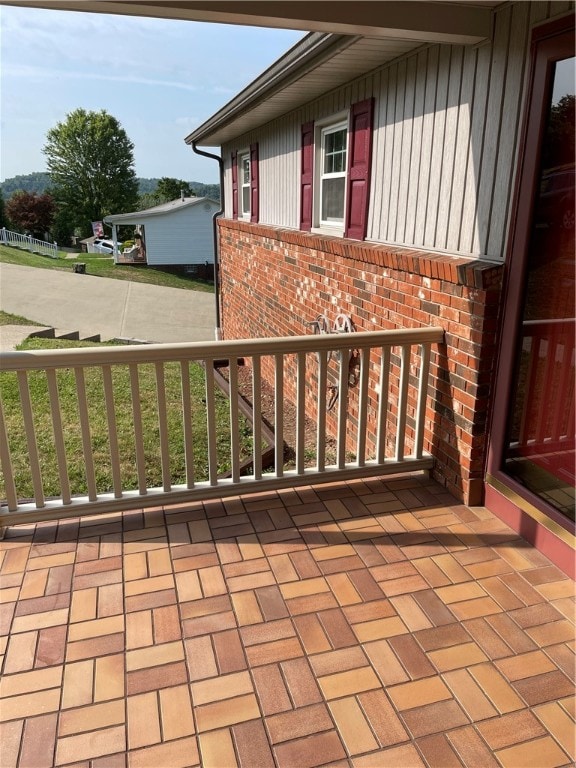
<point x="274" y="280"/>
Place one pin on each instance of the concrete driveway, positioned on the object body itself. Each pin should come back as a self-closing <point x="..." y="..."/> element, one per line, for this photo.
<point x="112" y="308"/>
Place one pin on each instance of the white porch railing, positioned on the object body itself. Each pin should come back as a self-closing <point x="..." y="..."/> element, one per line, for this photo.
<point x="379" y="417"/>
<point x="28" y="243"/>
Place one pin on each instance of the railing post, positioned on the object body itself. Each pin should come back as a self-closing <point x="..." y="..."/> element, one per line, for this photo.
<point x="30" y="243"/>
<point x="4" y="235"/>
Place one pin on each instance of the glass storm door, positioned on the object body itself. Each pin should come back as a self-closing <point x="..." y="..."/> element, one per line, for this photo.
<point x="537" y="431"/>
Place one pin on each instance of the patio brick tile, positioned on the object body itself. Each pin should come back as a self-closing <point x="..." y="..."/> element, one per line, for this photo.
<point x="195" y="562"/>
<point x="94" y="647"/>
<point x="151" y="584"/>
<point x="403" y="586"/>
<point x="418" y="693"/>
<point x="311" y="633"/>
<point x="135" y="566"/>
<point x="535" y="615"/>
<point x="375" y="609"/>
<point x="382" y="717"/>
<point x="41" y="604"/>
<point x="548" y="686"/>
<point x="504" y="596"/>
<point x="166" y="621"/>
<point x="30" y="704"/>
<point x="434" y="608"/>
<point x="489" y="568"/>
<point x="552" y="633"/>
<point x="434" y="718"/>
<point x="15" y="560"/>
<point x="469" y="695"/>
<point x="252" y="745"/>
<point x="205" y="625"/>
<point x="109" y="677"/>
<point x="300" y="682"/>
<point x="92" y="717"/>
<point x="283" y="569"/>
<point x="385" y="663"/>
<point x="199" y="531"/>
<point x="311" y="603"/>
<point x="563" y="658"/>
<point x="96" y="566"/>
<point x="154" y="655"/>
<point x="200" y="657"/>
<point x="347" y="683"/>
<point x="473" y="609"/>
<point x="20" y="652"/>
<point x="59" y="579"/>
<point x="437" y="750"/>
<point x="38" y="620"/>
<point x="299" y="722"/>
<point x="543" y="751"/>
<point x="410" y="612"/>
<point x="560" y="725"/>
<point x="471" y="748"/>
<point x="269" y="653"/>
<point x="153" y="678"/>
<point x="271" y="690"/>
<point x="395" y="757"/>
<point x="379" y="629"/>
<point x="182" y="753"/>
<point x="146" y="602"/>
<point x="271" y="603"/>
<point x="6" y="616"/>
<point x="192" y="550"/>
<point x="50" y="561"/>
<point x="228" y="551"/>
<point x="304" y="564"/>
<point x="460" y="592"/>
<point x="246" y="608"/>
<point x="341" y="660"/>
<point x="78" y="747"/>
<point x="337" y="628"/>
<point x="500" y="693"/>
<point x="38" y="742"/>
<point x="412" y="657"/>
<point x="267" y="632"/>
<point x="349" y="564"/>
<point x="139" y="629"/>
<point x="29" y="682"/>
<point x="78" y="684"/>
<point x="228" y="712"/>
<point x="511" y="633"/>
<point x="220" y="688"/>
<point x="84" y="605"/>
<point x="522" y="589"/>
<point x="246" y="567"/>
<point x="567" y="607"/>
<point x="98" y="579"/>
<point x="525" y="665"/>
<point x="557" y="589"/>
<point x="457" y="656"/>
<point x="251" y="581"/>
<point x="208" y="606"/>
<point x="96" y="628"/>
<point x="229" y="651"/>
<point x="310" y="751"/>
<point x="510" y="729"/>
<point x="217" y="749"/>
<point x="33" y="584"/>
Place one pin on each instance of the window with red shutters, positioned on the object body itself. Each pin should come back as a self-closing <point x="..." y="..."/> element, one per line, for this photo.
<point x="234" y="185"/>
<point x="306" y="176"/>
<point x="254" y="180"/>
<point x="359" y="159"/>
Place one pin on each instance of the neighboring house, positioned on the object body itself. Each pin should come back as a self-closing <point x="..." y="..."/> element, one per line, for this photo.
<point x="176" y="233"/>
<point x="394" y="181"/>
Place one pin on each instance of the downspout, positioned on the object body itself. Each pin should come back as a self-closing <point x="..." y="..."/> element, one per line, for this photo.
<point x="215" y="234"/>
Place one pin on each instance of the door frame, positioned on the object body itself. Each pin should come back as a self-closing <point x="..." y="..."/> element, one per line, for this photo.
<point x="535" y="520"/>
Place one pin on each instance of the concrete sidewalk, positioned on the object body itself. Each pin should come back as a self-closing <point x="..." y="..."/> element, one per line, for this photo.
<point x="111" y="308"/>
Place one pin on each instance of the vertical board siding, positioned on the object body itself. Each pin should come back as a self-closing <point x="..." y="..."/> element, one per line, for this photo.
<point x="446" y="126"/>
<point x="181" y="237"/>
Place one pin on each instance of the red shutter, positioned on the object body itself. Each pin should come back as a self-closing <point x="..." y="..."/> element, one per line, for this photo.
<point x="359" y="157"/>
<point x="306" y="176"/>
<point x="234" y="185"/>
<point x="254" y="193"/>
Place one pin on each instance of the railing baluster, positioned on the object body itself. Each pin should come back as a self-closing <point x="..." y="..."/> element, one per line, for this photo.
<point x="562" y="426"/>
<point x="321" y="417"/>
<point x="6" y="460"/>
<point x="300" y="411"/>
<point x="524" y="435"/>
<point x="402" y="401"/>
<point x="257" y="417"/>
<point x="58" y="435"/>
<point x="234" y="426"/>
<point x="362" y="406"/>
<point x="163" y="426"/>
<point x="421" y="402"/>
<point x="211" y="424"/>
<point x="279" y="414"/>
<point x="342" y="407"/>
<point x="85" y="431"/>
<point x="187" y="423"/>
<point x="112" y="430"/>
<point x="31" y="439"/>
<point x="383" y="405"/>
<point x="138" y="432"/>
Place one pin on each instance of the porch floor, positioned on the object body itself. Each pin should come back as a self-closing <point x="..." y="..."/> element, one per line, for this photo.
<point x="368" y="623"/>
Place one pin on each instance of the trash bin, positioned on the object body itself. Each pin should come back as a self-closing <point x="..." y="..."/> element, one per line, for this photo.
<point x="80" y="268"/>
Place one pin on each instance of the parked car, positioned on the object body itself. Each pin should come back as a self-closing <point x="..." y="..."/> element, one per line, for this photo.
<point x="104" y="246"/>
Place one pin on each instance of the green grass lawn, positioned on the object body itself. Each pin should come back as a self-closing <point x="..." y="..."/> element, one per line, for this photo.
<point x="9" y="395"/>
<point x="7" y="319"/>
<point x="102" y="266"/>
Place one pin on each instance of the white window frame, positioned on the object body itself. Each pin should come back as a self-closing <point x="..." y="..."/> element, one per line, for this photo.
<point x="322" y="129"/>
<point x="244" y="155"/>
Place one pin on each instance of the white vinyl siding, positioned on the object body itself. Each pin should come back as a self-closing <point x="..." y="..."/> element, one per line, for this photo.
<point x="181" y="237"/>
<point x="446" y="130"/>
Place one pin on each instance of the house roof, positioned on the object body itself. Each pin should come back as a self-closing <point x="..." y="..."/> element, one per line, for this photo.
<point x="159" y="210"/>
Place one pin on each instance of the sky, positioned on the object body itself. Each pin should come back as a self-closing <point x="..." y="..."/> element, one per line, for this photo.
<point x="159" y="78"/>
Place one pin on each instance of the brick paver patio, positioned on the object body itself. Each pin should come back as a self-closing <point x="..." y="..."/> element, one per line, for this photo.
<point x="374" y="623"/>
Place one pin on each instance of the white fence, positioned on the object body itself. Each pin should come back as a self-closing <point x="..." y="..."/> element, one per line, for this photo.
<point x="375" y="425"/>
<point x="28" y="243"/>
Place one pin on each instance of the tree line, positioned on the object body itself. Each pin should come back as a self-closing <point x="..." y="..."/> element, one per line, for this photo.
<point x="90" y="162"/>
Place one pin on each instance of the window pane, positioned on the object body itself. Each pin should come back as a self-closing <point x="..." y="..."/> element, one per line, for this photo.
<point x="333" y="199"/>
<point x="245" y="199"/>
<point x="335" y="151"/>
<point x="245" y="170"/>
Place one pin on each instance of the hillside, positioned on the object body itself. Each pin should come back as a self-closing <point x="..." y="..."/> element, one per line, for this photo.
<point x="39" y="183"/>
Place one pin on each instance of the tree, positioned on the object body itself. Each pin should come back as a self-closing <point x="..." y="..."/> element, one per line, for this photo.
<point x="31" y="213"/>
<point x="170" y="189"/>
<point x="91" y="163"/>
<point x="3" y="218"/>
